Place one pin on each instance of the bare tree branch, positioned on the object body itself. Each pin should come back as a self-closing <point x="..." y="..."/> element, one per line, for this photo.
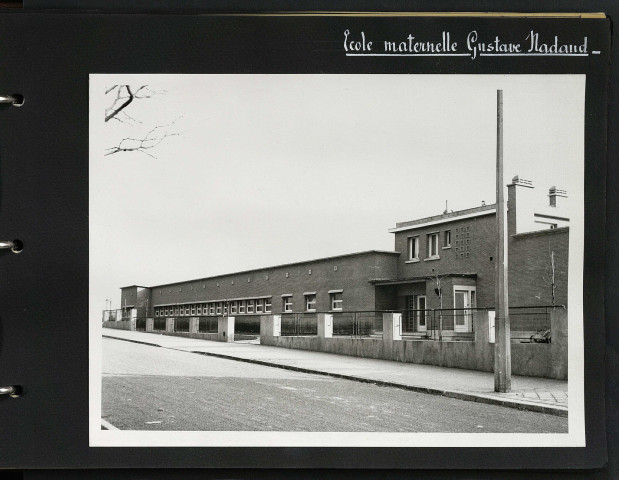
<point x="153" y="138"/>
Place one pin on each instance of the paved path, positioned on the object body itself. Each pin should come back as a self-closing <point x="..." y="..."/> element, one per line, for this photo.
<point x="528" y="393"/>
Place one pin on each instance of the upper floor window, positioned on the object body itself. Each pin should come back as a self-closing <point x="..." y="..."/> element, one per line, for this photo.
<point x="413" y="248"/>
<point x="447" y="239"/>
<point x="432" y="245"/>
<point x="233" y="308"/>
<point x="250" y="306"/>
<point x="241" y="306"/>
<point x="259" y="305"/>
<point x="267" y="305"/>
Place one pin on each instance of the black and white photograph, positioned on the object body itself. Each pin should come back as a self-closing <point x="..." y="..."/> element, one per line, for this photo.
<point x="336" y="260"/>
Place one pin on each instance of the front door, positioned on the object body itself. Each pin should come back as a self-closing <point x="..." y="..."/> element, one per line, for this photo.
<point x="463" y="302"/>
<point x="421" y="313"/>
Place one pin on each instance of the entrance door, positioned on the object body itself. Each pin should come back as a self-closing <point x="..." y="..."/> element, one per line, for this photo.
<point x="421" y="313"/>
<point x="463" y="302"/>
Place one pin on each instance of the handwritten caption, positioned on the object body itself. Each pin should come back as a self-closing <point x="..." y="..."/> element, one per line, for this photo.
<point x="358" y="44"/>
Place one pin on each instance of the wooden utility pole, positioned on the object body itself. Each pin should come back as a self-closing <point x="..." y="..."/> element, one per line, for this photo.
<point x="502" y="346"/>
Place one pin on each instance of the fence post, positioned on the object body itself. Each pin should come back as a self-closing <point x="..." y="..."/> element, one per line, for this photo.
<point x="270" y="326"/>
<point x="169" y="324"/>
<point x="225" y="329"/>
<point x="150" y="324"/>
<point x="194" y="324"/>
<point x="392" y="330"/>
<point x="558" y="342"/>
<point x="325" y="325"/>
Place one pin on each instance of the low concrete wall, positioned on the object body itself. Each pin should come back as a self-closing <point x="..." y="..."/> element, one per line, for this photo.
<point x="530" y="359"/>
<point x="225" y="329"/>
<point x="122" y="325"/>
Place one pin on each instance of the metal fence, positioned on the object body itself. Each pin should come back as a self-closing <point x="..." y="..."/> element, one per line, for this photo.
<point x="298" y="324"/>
<point x="358" y="324"/>
<point x="159" y="324"/>
<point x="140" y="324"/>
<point x="207" y="325"/>
<point x="531" y="323"/>
<point x="181" y="324"/>
<point x="439" y="324"/>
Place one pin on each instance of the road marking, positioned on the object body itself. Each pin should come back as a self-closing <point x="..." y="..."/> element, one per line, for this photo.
<point x="107" y="425"/>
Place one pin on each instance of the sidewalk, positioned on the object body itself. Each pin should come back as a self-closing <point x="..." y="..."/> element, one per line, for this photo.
<point x="528" y="393"/>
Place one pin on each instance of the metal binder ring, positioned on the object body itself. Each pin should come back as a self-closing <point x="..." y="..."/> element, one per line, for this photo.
<point x="13" y="391"/>
<point x="15" y="100"/>
<point x="15" y="246"/>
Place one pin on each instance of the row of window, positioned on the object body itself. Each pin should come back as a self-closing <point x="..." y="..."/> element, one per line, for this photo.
<point x="245" y="307"/>
<point x="432" y="241"/>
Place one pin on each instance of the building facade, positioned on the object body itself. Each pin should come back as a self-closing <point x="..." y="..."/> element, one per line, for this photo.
<point x="438" y="263"/>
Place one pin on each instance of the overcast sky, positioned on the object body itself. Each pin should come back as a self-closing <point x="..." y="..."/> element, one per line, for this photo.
<point x="271" y="169"/>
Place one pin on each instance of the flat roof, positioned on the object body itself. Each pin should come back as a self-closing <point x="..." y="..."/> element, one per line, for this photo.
<point x="445" y="217"/>
<point x="244" y="272"/>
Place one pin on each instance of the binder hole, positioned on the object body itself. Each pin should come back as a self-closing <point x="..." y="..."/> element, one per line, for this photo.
<point x="18" y="246"/>
<point x="18" y="100"/>
<point x="18" y="391"/>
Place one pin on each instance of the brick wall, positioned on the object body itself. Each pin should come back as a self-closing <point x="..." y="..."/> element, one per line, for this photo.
<point x="351" y="273"/>
<point x="473" y="245"/>
<point x="530" y="267"/>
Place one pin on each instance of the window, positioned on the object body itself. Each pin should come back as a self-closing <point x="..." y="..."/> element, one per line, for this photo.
<point x="199" y="310"/>
<point x="211" y="309"/>
<point x="259" y="305"/>
<point x="175" y="310"/>
<point x="226" y="308"/>
<point x="250" y="306"/>
<point x="413" y="248"/>
<point x="287" y="303"/>
<point x="193" y="309"/>
<point x="310" y="302"/>
<point x="166" y="310"/>
<point x="242" y="306"/>
<point x="186" y="309"/>
<point x="336" y="301"/>
<point x="233" y="308"/>
<point x="447" y="239"/>
<point x="267" y="305"/>
<point x="218" y="310"/>
<point x="432" y="245"/>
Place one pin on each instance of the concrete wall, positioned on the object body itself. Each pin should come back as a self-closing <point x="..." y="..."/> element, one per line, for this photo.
<point x="530" y="359"/>
<point x="121" y="325"/>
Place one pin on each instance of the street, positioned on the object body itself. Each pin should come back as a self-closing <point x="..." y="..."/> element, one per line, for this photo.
<point x="151" y="388"/>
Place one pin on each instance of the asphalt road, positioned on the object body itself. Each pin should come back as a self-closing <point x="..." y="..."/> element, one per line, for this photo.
<point x="151" y="388"/>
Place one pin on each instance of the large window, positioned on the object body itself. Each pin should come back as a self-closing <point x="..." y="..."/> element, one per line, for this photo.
<point x="232" y="308"/>
<point x="211" y="309"/>
<point x="287" y="303"/>
<point x="433" y="245"/>
<point x="310" y="302"/>
<point x="267" y="305"/>
<point x="413" y="248"/>
<point x="241" y="306"/>
<point x="336" y="301"/>
<point x="250" y="306"/>
<point x="259" y="305"/>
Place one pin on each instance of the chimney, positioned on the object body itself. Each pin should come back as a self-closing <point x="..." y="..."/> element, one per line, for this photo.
<point x="554" y="193"/>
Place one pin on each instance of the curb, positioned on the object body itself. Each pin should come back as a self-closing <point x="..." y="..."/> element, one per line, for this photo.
<point x="508" y="403"/>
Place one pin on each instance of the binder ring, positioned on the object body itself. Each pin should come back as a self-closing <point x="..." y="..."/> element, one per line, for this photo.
<point x="15" y="246"/>
<point x="15" y="99"/>
<point x="12" y="391"/>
